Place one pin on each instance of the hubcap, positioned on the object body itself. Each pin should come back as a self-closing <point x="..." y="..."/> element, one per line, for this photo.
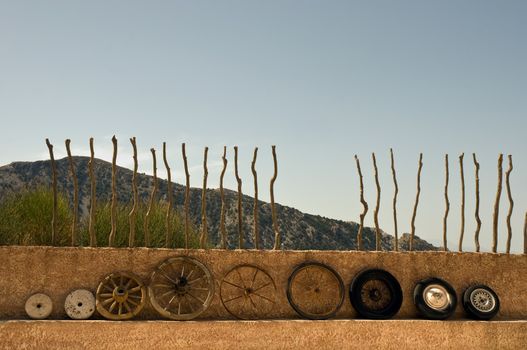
<point x="482" y="300"/>
<point x="437" y="297"/>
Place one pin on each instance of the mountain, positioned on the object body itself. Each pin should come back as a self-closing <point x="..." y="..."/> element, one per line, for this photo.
<point x="299" y="230"/>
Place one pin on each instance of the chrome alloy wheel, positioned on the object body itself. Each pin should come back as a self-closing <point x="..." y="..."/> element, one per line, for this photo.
<point x="437" y="297"/>
<point x="482" y="300"/>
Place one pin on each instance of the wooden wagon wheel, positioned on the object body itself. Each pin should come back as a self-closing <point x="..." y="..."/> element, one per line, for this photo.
<point x="120" y="296"/>
<point x="247" y="292"/>
<point x="315" y="291"/>
<point x="181" y="288"/>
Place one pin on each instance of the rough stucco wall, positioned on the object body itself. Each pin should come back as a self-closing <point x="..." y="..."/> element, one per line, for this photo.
<point x="57" y="271"/>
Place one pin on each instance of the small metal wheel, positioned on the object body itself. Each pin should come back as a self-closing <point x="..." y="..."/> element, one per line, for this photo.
<point x="80" y="304"/>
<point x="181" y="288"/>
<point x="435" y="299"/>
<point x="247" y="292"/>
<point x="376" y="294"/>
<point x="480" y="302"/>
<point x="315" y="291"/>
<point x="120" y="296"/>
<point x="39" y="306"/>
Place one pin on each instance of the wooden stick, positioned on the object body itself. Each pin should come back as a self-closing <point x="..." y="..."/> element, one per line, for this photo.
<point x="151" y="202"/>
<point x="256" y="228"/>
<point x="132" y="217"/>
<point x="93" y="196"/>
<point x="187" y="195"/>
<point x="111" y="239"/>
<point x="476" y="213"/>
<point x="412" y="233"/>
<point x="364" y="204"/>
<point x="511" y="205"/>
<point x="277" y="238"/>
<point x="395" y="193"/>
<point x="462" y="229"/>
<point x="54" y="216"/>
<point x="222" y="196"/>
<point x="447" y="205"/>
<point x="525" y="234"/>
<point x="75" y="195"/>
<point x="497" y="206"/>
<point x="204" y="230"/>
<point x="168" y="216"/>
<point x="377" y="204"/>
<point x="240" y="234"/>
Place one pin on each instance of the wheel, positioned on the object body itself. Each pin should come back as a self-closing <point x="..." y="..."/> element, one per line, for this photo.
<point x="80" y="304"/>
<point x="120" y="296"/>
<point x="376" y="294"/>
<point x="247" y="292"/>
<point x="315" y="291"/>
<point x="435" y="299"/>
<point x="39" y="306"/>
<point x="181" y="288"/>
<point x="481" y="302"/>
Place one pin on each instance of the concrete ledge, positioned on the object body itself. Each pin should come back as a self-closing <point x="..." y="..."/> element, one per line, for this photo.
<point x="272" y="334"/>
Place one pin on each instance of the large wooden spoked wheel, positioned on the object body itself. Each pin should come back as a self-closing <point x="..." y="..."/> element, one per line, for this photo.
<point x="248" y="292"/>
<point x="181" y="288"/>
<point x="315" y="291"/>
<point x="120" y="296"/>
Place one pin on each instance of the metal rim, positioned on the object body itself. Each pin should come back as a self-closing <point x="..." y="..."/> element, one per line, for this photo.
<point x="247" y="291"/>
<point x="181" y="288"/>
<point x="482" y="300"/>
<point x="120" y="296"/>
<point x="437" y="297"/>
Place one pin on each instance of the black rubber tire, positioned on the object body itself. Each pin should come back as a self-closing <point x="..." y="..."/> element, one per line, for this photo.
<point x="427" y="311"/>
<point x="473" y="311"/>
<point x="391" y="286"/>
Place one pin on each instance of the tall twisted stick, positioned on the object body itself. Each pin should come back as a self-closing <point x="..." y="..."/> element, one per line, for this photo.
<point x="497" y="206"/>
<point x="111" y="239"/>
<point x="168" y="216"/>
<point x="476" y="213"/>
<point x="151" y="202"/>
<point x="412" y="233"/>
<point x="377" y="204"/>
<point x="132" y="217"/>
<point x="75" y="195"/>
<point x="204" y="230"/>
<point x="256" y="229"/>
<point x="277" y="239"/>
<point x="55" y="204"/>
<point x="187" y="194"/>
<point x="461" y="172"/>
<point x="364" y="204"/>
<point x="395" y="193"/>
<point x="511" y="205"/>
<point x="222" y="196"/>
<point x="93" y="198"/>
<point x="447" y="205"/>
<point x="240" y="234"/>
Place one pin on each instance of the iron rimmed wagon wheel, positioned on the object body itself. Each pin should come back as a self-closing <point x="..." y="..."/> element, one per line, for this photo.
<point x="181" y="288"/>
<point x="120" y="296"/>
<point x="247" y="291"/>
<point x="315" y="291"/>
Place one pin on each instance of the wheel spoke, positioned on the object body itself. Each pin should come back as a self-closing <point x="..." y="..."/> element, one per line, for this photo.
<point x="234" y="285"/>
<point x="254" y="277"/>
<point x="112" y="306"/>
<point x="120" y="311"/>
<point x="266" y="298"/>
<point x="195" y="280"/>
<point x="234" y="298"/>
<point x="107" y="301"/>
<point x="261" y="287"/>
<point x="106" y="295"/>
<point x="195" y="297"/>
<point x="170" y="302"/>
<point x="167" y="276"/>
<point x="241" y="279"/>
<point x="135" y="289"/>
<point x="127" y="306"/>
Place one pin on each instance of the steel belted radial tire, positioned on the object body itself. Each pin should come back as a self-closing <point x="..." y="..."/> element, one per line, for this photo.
<point x="435" y="299"/>
<point x="376" y="294"/>
<point x="315" y="291"/>
<point x="120" y="296"/>
<point x="481" y="302"/>
<point x="181" y="288"/>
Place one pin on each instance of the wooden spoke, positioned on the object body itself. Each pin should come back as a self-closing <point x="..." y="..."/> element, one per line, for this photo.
<point x="118" y="305"/>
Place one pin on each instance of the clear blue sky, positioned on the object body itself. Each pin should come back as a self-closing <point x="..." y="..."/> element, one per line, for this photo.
<point x="322" y="80"/>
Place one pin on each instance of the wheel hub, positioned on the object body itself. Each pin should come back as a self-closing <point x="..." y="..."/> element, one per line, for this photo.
<point x="436" y="297"/>
<point x="482" y="300"/>
<point x="120" y="294"/>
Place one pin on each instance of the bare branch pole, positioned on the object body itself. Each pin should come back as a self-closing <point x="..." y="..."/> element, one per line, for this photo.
<point x="395" y="193"/>
<point x="240" y="233"/>
<point x="204" y="230"/>
<point x="476" y="213"/>
<point x="75" y="195"/>
<point x="525" y="235"/>
<point x="277" y="238"/>
<point x="132" y="217"/>
<point x="497" y="206"/>
<point x="187" y="194"/>
<point x="222" y="196"/>
<point x="511" y="204"/>
<point x="256" y="228"/>
<point x="111" y="239"/>
<point x="54" y="184"/>
<point x="168" y="216"/>
<point x="447" y="205"/>
<point x="151" y="202"/>
<point x="93" y="196"/>
<point x="412" y="233"/>
<point x="462" y="229"/>
<point x="377" y="205"/>
<point x="364" y="204"/>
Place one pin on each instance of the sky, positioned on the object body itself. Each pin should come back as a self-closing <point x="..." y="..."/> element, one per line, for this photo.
<point x="321" y="80"/>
